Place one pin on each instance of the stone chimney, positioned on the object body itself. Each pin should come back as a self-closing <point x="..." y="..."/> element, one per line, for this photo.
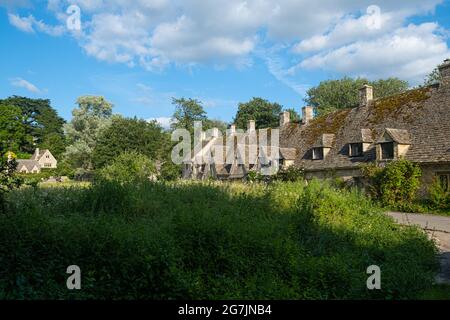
<point x="307" y="114"/>
<point x="251" y="125"/>
<point x="365" y="95"/>
<point x="444" y="70"/>
<point x="285" y="118"/>
<point x="215" y="133"/>
<point x="232" y="129"/>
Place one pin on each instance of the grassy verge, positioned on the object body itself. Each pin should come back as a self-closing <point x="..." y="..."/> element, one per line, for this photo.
<point x="207" y="241"/>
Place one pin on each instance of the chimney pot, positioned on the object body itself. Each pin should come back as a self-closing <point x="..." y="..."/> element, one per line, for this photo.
<point x="285" y="118"/>
<point x="307" y="114"/>
<point x="365" y="95"/>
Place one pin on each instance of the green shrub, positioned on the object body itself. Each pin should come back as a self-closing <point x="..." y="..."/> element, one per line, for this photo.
<point x="439" y="196"/>
<point x="192" y="240"/>
<point x="396" y="184"/>
<point x="128" y="167"/>
<point x="290" y="174"/>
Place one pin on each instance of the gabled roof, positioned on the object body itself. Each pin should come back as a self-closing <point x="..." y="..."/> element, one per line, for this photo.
<point x="362" y="136"/>
<point x="325" y="140"/>
<point x="398" y="135"/>
<point x="29" y="164"/>
<point x="38" y="156"/>
<point x="424" y="113"/>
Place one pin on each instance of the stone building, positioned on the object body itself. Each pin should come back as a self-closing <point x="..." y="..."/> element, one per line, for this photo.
<point x="41" y="159"/>
<point x="414" y="125"/>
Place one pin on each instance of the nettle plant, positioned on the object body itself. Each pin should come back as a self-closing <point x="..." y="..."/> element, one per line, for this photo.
<point x="394" y="185"/>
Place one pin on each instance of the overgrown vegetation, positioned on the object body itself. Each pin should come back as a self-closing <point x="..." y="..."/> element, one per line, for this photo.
<point x="394" y="185"/>
<point x="207" y="241"/>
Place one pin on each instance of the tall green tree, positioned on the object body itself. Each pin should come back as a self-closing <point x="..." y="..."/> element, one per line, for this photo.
<point x="41" y="122"/>
<point x="187" y="111"/>
<point x="332" y="95"/>
<point x="93" y="115"/>
<point x="131" y="135"/>
<point x="266" y="114"/>
<point x="13" y="133"/>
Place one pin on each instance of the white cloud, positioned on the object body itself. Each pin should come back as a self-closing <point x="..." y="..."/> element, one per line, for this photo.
<point x="409" y="53"/>
<point x="165" y="122"/>
<point x="158" y="33"/>
<point x="22" y="83"/>
<point x="30" y="24"/>
<point x="25" y="24"/>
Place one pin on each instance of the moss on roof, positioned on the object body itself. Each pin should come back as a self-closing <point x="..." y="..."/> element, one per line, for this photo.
<point x="329" y="123"/>
<point x="391" y="106"/>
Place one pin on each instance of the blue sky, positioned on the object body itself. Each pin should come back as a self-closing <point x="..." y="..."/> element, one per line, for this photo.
<point x="139" y="54"/>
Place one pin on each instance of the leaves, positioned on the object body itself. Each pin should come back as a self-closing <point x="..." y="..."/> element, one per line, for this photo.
<point x="332" y="95"/>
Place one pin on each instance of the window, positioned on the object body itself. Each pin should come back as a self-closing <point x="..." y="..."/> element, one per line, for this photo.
<point x="317" y="154"/>
<point x="47" y="165"/>
<point x="444" y="180"/>
<point x="47" y="156"/>
<point x="387" y="150"/>
<point x="356" y="149"/>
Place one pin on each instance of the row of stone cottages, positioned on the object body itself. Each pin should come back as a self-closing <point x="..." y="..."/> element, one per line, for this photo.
<point x="414" y="125"/>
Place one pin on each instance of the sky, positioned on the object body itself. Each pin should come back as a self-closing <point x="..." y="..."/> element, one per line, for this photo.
<point x="140" y="54"/>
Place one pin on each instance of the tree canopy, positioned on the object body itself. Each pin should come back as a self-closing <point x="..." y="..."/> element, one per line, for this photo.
<point x="13" y="135"/>
<point x="130" y="135"/>
<point x="92" y="116"/>
<point x="187" y="111"/>
<point x="332" y="95"/>
<point x="42" y="125"/>
<point x="266" y="114"/>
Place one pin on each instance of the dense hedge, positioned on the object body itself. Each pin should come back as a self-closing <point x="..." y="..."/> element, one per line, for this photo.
<point x="206" y="241"/>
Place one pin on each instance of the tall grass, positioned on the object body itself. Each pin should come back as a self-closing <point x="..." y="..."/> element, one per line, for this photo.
<point x="206" y="241"/>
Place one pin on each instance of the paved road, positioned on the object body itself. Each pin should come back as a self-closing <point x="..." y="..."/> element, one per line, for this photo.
<point x="438" y="228"/>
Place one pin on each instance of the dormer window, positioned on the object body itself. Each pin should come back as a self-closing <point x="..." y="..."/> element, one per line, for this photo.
<point x="393" y="144"/>
<point x="323" y="146"/>
<point x="317" y="153"/>
<point x="356" y="150"/>
<point x="387" y="151"/>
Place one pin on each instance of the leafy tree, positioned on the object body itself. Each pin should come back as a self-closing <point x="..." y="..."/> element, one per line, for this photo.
<point x="92" y="116"/>
<point x="130" y="134"/>
<point x="433" y="78"/>
<point x="266" y="114"/>
<point x="332" y="95"/>
<point x="42" y="123"/>
<point x="13" y="133"/>
<point x="187" y="111"/>
<point x="128" y="167"/>
<point x="295" y="117"/>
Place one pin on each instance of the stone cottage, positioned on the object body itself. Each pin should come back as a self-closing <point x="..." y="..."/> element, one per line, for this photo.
<point x="41" y="159"/>
<point x="414" y="125"/>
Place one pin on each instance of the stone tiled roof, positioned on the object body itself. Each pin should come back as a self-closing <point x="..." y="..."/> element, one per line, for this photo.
<point x="398" y="135"/>
<point x="419" y="117"/>
<point x="39" y="156"/>
<point x="29" y="164"/>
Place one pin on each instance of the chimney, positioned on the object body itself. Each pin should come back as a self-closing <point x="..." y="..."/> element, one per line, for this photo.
<point x="365" y="95"/>
<point x="232" y="129"/>
<point x="308" y="114"/>
<point x="215" y="133"/>
<point x="444" y="70"/>
<point x="251" y="125"/>
<point x="285" y="118"/>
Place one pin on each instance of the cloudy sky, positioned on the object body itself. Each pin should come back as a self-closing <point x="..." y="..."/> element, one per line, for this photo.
<point x="141" y="53"/>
